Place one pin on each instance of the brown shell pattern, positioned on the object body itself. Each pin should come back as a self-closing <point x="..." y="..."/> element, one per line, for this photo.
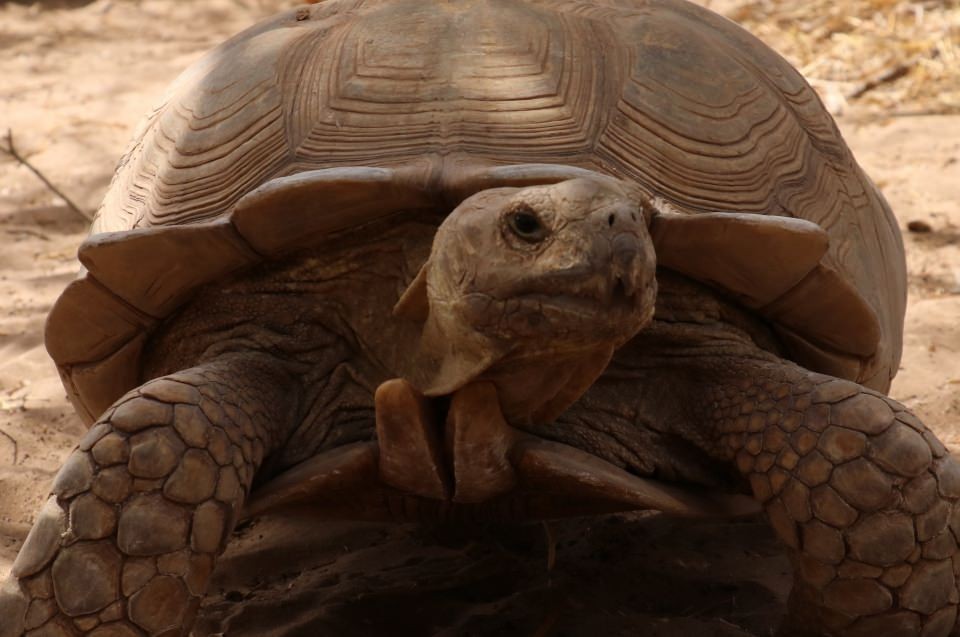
<point x="661" y="92"/>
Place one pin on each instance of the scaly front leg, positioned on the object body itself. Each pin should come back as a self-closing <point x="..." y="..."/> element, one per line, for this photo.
<point x="862" y="493"/>
<point x="140" y="511"/>
<point x="860" y="490"/>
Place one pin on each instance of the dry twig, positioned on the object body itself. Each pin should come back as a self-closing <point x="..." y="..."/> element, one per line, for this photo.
<point x="887" y="56"/>
<point x="551" y="545"/>
<point x="12" y="151"/>
<point x="891" y="74"/>
<point x="16" y="447"/>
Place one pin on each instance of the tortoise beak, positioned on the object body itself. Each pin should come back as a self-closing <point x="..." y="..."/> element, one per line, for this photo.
<point x="627" y="271"/>
<point x="627" y="252"/>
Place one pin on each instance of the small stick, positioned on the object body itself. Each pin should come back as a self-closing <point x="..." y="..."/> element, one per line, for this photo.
<point x="891" y="74"/>
<point x="924" y="112"/>
<point x="551" y="546"/>
<point x="16" y="447"/>
<point x="11" y="150"/>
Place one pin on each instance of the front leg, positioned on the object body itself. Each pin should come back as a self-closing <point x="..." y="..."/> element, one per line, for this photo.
<point x="138" y="514"/>
<point x="862" y="493"/>
<point x="860" y="490"/>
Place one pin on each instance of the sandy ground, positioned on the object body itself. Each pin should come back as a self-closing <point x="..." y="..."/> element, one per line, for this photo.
<point x="75" y="79"/>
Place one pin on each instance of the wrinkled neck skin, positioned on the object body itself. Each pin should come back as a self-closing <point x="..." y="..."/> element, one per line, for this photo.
<point x="535" y="380"/>
<point x="537" y="374"/>
<point x="538" y="388"/>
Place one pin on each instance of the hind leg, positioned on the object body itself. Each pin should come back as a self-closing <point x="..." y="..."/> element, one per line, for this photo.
<point x="139" y="512"/>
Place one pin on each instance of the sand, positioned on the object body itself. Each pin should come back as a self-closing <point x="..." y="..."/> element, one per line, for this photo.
<point x="76" y="77"/>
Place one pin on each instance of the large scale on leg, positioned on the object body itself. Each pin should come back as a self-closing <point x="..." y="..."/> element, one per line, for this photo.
<point x="417" y="260"/>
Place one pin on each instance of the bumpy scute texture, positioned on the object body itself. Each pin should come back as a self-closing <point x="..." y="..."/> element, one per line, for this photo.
<point x="721" y="124"/>
<point x="860" y="490"/>
<point x="140" y="511"/>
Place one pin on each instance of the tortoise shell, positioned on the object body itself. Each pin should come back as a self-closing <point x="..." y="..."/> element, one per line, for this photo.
<point x="433" y="97"/>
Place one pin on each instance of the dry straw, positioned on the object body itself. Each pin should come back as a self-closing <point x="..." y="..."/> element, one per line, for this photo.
<point x="877" y="57"/>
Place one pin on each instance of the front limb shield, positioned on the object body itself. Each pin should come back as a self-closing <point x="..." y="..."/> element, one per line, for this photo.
<point x="863" y="494"/>
<point x="140" y="511"/>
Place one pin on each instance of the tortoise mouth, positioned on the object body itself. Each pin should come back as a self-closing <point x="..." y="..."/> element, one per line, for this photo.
<point x="595" y="308"/>
<point x="603" y="295"/>
<point x="611" y="285"/>
<point x="616" y="300"/>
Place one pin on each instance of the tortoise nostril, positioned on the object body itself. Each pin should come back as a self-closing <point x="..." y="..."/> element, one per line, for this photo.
<point x="611" y="219"/>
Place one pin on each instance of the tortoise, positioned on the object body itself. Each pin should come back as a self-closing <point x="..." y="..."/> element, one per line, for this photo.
<point x="476" y="260"/>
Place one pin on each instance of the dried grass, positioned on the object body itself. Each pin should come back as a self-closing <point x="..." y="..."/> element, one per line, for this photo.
<point x="880" y="56"/>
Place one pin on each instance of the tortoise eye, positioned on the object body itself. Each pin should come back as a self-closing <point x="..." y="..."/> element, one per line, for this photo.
<point x="525" y="224"/>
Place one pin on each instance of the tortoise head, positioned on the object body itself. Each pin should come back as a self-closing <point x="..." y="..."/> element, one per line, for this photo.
<point x="548" y="268"/>
<point x="533" y="288"/>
